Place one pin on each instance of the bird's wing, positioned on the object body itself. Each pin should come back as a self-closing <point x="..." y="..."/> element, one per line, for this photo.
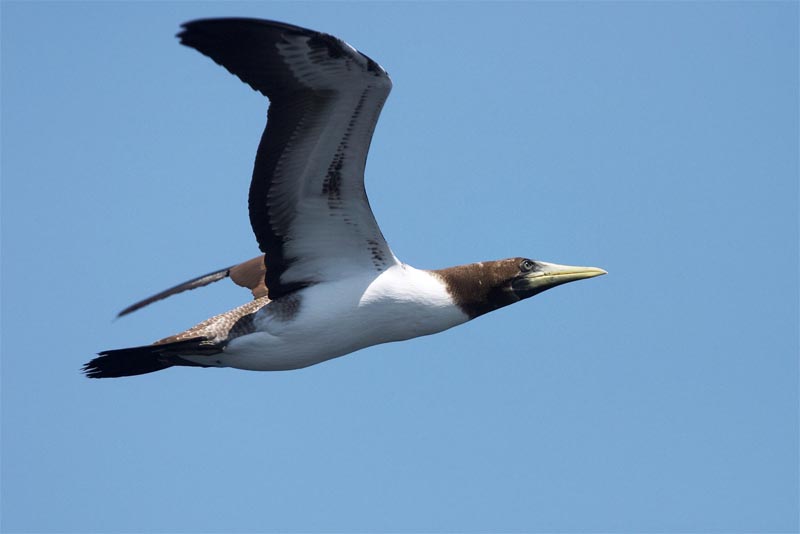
<point x="308" y="206"/>
<point x="249" y="274"/>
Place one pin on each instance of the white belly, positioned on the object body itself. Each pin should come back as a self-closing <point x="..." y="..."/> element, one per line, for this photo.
<point x="335" y="318"/>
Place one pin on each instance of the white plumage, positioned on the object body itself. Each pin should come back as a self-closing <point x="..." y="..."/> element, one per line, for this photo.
<point x="336" y="318"/>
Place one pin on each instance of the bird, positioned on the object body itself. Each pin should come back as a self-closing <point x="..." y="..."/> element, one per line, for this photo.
<point x="327" y="283"/>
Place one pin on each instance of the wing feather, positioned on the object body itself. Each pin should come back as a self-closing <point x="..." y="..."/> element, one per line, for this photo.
<point x="249" y="274"/>
<point x="308" y="206"/>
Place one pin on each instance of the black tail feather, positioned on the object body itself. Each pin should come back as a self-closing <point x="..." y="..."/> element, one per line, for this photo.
<point x="147" y="359"/>
<point x="125" y="362"/>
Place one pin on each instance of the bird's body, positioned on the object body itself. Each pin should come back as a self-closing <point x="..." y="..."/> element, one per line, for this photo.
<point x="335" y="318"/>
<point x="328" y="283"/>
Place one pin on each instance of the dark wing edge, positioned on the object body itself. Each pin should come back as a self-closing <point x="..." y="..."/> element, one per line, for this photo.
<point x="249" y="274"/>
<point x="241" y="46"/>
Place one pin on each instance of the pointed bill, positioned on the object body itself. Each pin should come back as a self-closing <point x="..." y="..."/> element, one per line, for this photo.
<point x="548" y="275"/>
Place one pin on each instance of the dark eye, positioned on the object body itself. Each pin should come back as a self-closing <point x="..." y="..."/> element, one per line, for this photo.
<point x="526" y="265"/>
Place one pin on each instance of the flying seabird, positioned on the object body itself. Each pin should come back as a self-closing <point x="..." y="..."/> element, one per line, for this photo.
<point x="327" y="284"/>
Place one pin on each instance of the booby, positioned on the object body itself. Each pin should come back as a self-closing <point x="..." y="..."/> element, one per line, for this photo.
<point x="327" y="284"/>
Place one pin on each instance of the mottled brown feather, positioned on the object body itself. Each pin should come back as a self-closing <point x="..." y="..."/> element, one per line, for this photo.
<point x="222" y="328"/>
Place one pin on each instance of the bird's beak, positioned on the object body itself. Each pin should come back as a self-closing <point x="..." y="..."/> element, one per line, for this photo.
<point x="548" y="275"/>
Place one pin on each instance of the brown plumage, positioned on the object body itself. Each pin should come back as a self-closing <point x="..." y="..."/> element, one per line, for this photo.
<point x="492" y="290"/>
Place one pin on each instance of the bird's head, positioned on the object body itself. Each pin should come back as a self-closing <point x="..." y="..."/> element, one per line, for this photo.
<point x="486" y="286"/>
<point x="533" y="277"/>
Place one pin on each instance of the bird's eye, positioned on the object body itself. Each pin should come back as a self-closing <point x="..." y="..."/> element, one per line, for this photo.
<point x="526" y="265"/>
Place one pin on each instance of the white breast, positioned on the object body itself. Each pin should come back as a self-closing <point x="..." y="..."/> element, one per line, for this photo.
<point x="336" y="318"/>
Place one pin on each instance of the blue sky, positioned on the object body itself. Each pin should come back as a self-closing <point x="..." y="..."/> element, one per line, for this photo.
<point x="656" y="140"/>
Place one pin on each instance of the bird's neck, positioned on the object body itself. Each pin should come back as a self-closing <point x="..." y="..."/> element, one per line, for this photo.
<point x="477" y="288"/>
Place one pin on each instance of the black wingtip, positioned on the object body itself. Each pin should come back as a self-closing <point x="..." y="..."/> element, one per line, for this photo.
<point x="201" y="29"/>
<point x="191" y="25"/>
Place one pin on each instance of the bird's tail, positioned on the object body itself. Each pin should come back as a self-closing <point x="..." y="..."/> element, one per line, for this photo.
<point x="149" y="358"/>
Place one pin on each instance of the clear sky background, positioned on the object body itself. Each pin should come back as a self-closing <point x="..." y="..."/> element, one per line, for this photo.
<point x="656" y="140"/>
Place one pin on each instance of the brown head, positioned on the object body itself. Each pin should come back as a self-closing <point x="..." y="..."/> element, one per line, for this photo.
<point x="482" y="287"/>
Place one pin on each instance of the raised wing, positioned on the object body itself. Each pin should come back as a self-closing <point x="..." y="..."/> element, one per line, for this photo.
<point x="308" y="206"/>
<point x="249" y="274"/>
